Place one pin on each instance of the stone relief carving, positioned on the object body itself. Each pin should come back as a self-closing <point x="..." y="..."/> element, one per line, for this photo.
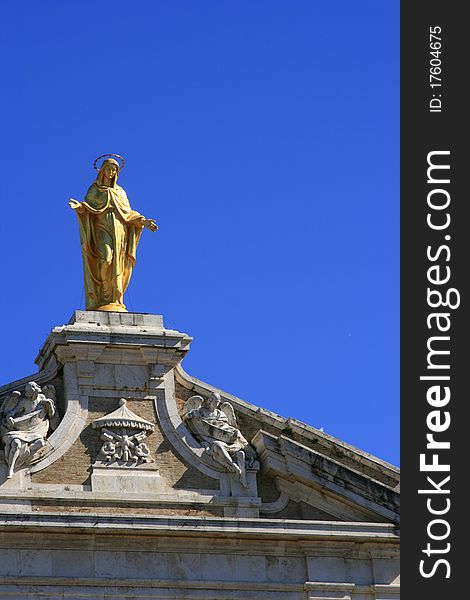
<point x="25" y="420"/>
<point x="123" y="434"/>
<point x="214" y="425"/>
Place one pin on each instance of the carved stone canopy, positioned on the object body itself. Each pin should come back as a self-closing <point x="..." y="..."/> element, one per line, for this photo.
<point x="123" y="433"/>
<point x="123" y="418"/>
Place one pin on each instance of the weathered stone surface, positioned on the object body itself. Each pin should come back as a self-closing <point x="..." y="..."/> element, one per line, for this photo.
<point x="124" y="480"/>
<point x="318" y="520"/>
<point x="186" y="556"/>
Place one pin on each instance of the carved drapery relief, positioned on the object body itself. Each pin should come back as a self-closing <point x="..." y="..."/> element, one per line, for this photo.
<point x="214" y="425"/>
<point x="123" y="434"/>
<point x="25" y="420"/>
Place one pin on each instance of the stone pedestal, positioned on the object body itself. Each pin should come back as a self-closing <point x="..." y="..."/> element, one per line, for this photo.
<point x="129" y="339"/>
<point x="21" y="479"/>
<point x="124" y="480"/>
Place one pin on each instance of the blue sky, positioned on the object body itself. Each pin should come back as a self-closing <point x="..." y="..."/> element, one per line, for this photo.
<point x="263" y="137"/>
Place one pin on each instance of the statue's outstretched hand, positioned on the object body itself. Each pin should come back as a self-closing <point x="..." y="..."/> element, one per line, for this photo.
<point x="150" y="224"/>
<point x="75" y="204"/>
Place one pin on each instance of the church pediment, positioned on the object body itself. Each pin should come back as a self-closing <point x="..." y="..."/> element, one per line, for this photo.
<point x="128" y="430"/>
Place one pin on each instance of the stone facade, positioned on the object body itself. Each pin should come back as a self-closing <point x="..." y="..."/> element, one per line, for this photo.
<point x="128" y="498"/>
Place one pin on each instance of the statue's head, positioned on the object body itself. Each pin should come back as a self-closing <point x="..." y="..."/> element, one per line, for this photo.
<point x="108" y="172"/>
<point x="32" y="389"/>
<point x="212" y="401"/>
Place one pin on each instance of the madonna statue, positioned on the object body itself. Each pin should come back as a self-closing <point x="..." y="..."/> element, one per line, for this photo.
<point x="109" y="234"/>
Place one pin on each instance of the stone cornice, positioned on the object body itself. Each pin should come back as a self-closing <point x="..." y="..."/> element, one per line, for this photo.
<point x="89" y="335"/>
<point x="201" y="526"/>
<point x="291" y="461"/>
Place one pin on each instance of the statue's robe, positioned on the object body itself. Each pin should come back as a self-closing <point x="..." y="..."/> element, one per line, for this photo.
<point x="32" y="427"/>
<point x="109" y="233"/>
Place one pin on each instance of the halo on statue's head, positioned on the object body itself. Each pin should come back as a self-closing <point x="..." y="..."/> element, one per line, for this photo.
<point x="121" y="166"/>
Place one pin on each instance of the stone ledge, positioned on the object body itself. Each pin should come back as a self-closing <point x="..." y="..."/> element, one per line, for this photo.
<point x="157" y="583"/>
<point x="343" y="591"/>
<point x="197" y="526"/>
<point x="117" y="319"/>
<point x="90" y="333"/>
<point x="180" y="498"/>
<point x="203" y="584"/>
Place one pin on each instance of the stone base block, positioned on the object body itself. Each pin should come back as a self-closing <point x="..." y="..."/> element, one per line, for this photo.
<point x="21" y="479"/>
<point x="137" y="480"/>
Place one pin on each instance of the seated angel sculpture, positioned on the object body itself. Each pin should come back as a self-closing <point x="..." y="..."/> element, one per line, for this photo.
<point x="214" y="425"/>
<point x="25" y="421"/>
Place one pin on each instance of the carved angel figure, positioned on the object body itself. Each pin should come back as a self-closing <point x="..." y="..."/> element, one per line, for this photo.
<point x="214" y="425"/>
<point x="25" y="421"/>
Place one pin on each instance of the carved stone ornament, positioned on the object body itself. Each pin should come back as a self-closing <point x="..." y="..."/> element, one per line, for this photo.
<point x="25" y="420"/>
<point x="123" y="434"/>
<point x="215" y="427"/>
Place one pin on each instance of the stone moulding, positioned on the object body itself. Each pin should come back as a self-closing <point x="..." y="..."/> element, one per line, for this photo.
<point x="277" y="505"/>
<point x="197" y="526"/>
<point x="171" y="589"/>
<point x="153" y="497"/>
<point x="297" y="466"/>
<point x="98" y="331"/>
<point x="44" y="376"/>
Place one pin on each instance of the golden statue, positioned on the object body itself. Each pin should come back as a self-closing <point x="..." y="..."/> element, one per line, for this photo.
<point x="109" y="233"/>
